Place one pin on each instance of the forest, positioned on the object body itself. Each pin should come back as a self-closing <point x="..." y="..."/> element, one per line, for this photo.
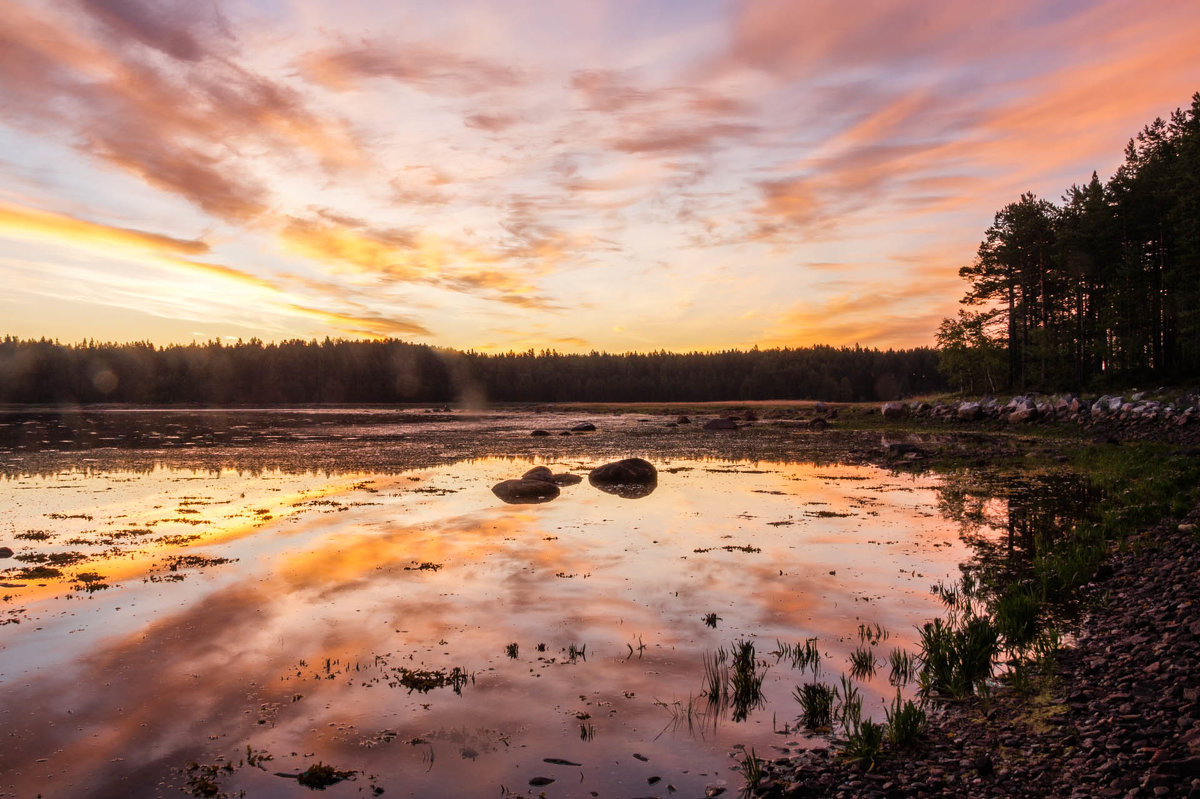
<point x="1102" y="289"/>
<point x="393" y="371"/>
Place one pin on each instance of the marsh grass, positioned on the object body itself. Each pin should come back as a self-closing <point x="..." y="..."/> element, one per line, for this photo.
<point x="745" y="681"/>
<point x="753" y="771"/>
<point x="849" y="704"/>
<point x="816" y="704"/>
<point x="862" y="663"/>
<point x="872" y="634"/>
<point x="903" y="667"/>
<point x="716" y="677"/>
<point x="802" y="656"/>
<point x="692" y="716"/>
<point x="863" y="743"/>
<point x="957" y="654"/>
<point x="906" y="722"/>
<point x="1017" y="612"/>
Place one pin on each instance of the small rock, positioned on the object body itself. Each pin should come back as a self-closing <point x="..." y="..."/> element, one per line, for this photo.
<point x="540" y="433"/>
<point x="583" y="427"/>
<point x="5" y="552"/>
<point x="721" y="424"/>
<point x="525" y="492"/>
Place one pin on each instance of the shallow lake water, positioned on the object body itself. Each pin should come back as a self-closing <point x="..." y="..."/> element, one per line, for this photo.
<point x="416" y="630"/>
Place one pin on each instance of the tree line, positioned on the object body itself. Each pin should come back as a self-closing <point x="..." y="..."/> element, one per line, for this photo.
<point x="394" y="371"/>
<point x="1103" y="288"/>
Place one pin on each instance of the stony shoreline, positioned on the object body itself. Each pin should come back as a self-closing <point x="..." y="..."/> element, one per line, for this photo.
<point x="1120" y="718"/>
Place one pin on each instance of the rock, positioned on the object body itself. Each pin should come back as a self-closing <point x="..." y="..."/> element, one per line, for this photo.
<point x="969" y="411"/>
<point x="817" y="424"/>
<point x="631" y="478"/>
<point x="896" y="449"/>
<point x="583" y="427"/>
<point x="683" y="420"/>
<point x="5" y="552"/>
<point x="1025" y="413"/>
<point x="540" y="433"/>
<point x="750" y="416"/>
<point x="525" y="492"/>
<point x="544" y="474"/>
<point x="820" y="407"/>
<point x="892" y="410"/>
<point x="721" y="424"/>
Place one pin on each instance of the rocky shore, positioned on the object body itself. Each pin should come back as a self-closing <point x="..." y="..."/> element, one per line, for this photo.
<point x="1136" y="416"/>
<point x="1120" y="717"/>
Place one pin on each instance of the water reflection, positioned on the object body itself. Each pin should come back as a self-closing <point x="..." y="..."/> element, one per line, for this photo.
<point x="368" y="621"/>
<point x="1008" y="518"/>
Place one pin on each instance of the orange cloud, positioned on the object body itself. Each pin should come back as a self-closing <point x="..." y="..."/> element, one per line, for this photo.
<point x="370" y="325"/>
<point x="399" y="255"/>
<point x="341" y="240"/>
<point x="44" y="225"/>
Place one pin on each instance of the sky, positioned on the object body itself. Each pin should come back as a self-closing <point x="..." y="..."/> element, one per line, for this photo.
<point x="626" y="175"/>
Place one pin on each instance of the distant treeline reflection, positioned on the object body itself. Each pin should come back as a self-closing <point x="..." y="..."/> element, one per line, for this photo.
<point x="302" y="372"/>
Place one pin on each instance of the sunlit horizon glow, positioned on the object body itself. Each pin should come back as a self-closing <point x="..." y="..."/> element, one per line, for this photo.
<point x="552" y="175"/>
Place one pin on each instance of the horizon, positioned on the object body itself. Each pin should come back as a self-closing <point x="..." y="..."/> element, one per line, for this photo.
<point x="627" y="179"/>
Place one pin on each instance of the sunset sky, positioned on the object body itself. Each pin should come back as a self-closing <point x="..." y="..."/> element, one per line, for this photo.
<point x="567" y="174"/>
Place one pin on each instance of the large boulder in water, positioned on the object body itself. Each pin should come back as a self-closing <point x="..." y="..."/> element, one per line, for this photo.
<point x="525" y="492"/>
<point x="893" y="410"/>
<point x="543" y="473"/>
<point x="631" y="478"/>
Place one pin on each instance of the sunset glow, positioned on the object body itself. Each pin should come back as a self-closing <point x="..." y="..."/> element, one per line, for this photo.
<point x="551" y="175"/>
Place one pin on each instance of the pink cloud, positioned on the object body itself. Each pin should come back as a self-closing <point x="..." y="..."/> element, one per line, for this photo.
<point x="421" y="65"/>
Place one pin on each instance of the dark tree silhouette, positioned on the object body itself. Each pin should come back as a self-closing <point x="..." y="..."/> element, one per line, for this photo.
<point x="1102" y="289"/>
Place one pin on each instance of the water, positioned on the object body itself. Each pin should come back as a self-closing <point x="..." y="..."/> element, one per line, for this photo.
<point x="308" y="602"/>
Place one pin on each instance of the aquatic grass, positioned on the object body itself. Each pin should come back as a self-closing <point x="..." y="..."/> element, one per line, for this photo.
<point x="863" y="742"/>
<point x="576" y="652"/>
<point x="692" y="715"/>
<point x="1016" y="612"/>
<point x="849" y="704"/>
<point x="872" y="634"/>
<point x="862" y="663"/>
<point x="753" y="771"/>
<point x="906" y="722"/>
<point x="803" y="656"/>
<point x="957" y="654"/>
<point x="512" y="650"/>
<point x="745" y="681"/>
<point x="903" y="667"/>
<point x="816" y="704"/>
<point x="716" y="676"/>
<point x="711" y="620"/>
